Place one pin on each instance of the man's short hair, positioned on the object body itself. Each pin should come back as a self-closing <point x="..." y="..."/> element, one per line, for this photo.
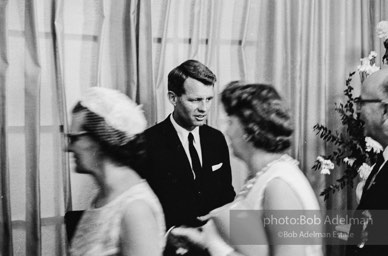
<point x="193" y="69"/>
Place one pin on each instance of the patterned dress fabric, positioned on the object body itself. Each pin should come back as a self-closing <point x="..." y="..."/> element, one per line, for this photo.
<point x="99" y="229"/>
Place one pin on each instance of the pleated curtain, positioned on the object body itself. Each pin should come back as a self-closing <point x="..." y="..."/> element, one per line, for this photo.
<point x="305" y="48"/>
<point x="51" y="51"/>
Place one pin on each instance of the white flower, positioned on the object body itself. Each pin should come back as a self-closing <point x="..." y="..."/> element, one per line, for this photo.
<point x="364" y="171"/>
<point x="372" y="68"/>
<point x="366" y="64"/>
<point x="382" y="29"/>
<point x="372" y="55"/>
<point x="349" y="161"/>
<point x="117" y="109"/>
<point x="326" y="165"/>
<point x="373" y="145"/>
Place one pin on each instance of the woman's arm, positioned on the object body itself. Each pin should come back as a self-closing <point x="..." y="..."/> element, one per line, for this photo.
<point x="139" y="234"/>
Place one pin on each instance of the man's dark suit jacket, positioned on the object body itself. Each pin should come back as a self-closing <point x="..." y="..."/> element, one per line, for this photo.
<point x="374" y="199"/>
<point x="168" y="171"/>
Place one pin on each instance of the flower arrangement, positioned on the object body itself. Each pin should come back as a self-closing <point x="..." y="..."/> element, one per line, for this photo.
<point x="382" y="29"/>
<point x="382" y="32"/>
<point x="352" y="150"/>
<point x="368" y="66"/>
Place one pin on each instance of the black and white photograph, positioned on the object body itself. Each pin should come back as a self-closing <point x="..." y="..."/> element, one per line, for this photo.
<point x="193" y="127"/>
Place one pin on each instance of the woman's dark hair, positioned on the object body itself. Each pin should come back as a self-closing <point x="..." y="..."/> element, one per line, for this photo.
<point x="130" y="154"/>
<point x="260" y="109"/>
<point x="189" y="68"/>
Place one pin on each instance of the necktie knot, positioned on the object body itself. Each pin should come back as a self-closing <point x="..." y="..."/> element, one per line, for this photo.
<point x="191" y="137"/>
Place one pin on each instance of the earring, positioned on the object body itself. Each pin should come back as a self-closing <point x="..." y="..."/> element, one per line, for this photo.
<point x="246" y="137"/>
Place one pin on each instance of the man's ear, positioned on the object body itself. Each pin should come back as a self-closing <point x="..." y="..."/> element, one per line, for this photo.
<point x="172" y="97"/>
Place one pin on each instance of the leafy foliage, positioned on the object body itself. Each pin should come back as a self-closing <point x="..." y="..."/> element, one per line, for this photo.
<point x="348" y="143"/>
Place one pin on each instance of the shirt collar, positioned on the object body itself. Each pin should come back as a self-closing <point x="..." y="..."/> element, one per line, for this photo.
<point x="385" y="154"/>
<point x="183" y="133"/>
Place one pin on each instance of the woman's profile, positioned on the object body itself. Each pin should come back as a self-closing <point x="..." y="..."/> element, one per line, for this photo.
<point x="106" y="140"/>
<point x="259" y="130"/>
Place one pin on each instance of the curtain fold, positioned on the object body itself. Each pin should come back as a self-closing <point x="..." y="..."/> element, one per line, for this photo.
<point x="161" y="39"/>
<point x="58" y="41"/>
<point x="5" y="202"/>
<point x="32" y="131"/>
<point x="142" y="69"/>
<point x="305" y="48"/>
<point x="212" y="37"/>
<point x="66" y="47"/>
<point x="243" y="40"/>
<point x="125" y="52"/>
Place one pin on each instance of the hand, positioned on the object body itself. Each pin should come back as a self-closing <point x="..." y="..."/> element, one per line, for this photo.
<point x="194" y="236"/>
<point x="342" y="231"/>
<point x="206" y="237"/>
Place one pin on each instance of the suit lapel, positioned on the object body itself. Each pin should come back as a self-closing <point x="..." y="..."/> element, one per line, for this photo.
<point x="170" y="137"/>
<point x="375" y="169"/>
<point x="379" y="162"/>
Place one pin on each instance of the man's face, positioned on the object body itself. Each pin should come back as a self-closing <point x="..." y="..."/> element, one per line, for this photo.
<point x="375" y="115"/>
<point x="192" y="107"/>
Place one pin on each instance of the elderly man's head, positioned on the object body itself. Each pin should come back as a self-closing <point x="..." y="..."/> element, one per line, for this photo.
<point x="374" y="96"/>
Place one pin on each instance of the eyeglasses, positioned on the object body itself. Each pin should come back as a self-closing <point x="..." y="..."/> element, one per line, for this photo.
<point x="73" y="137"/>
<point x="360" y="102"/>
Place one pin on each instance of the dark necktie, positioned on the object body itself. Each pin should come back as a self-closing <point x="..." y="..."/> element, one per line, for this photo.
<point x="369" y="182"/>
<point x="196" y="164"/>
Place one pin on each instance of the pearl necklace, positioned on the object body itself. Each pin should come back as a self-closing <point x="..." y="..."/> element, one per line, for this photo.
<point x="252" y="181"/>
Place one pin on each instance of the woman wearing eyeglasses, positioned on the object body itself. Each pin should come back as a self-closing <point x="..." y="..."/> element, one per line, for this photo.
<point x="125" y="217"/>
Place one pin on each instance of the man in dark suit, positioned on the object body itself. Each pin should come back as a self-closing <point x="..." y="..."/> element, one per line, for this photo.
<point x="188" y="163"/>
<point x="372" y="239"/>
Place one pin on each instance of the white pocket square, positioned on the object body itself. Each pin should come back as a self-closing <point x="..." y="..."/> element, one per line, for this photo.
<point x="216" y="167"/>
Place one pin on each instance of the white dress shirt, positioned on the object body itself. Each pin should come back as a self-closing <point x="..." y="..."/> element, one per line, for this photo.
<point x="183" y="137"/>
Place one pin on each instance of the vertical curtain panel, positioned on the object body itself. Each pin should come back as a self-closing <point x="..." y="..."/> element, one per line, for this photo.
<point x="5" y="204"/>
<point x="304" y="48"/>
<point x="32" y="86"/>
<point x="51" y="51"/>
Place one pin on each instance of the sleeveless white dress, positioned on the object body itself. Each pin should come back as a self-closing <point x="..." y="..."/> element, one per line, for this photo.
<point x="99" y="228"/>
<point x="251" y="197"/>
